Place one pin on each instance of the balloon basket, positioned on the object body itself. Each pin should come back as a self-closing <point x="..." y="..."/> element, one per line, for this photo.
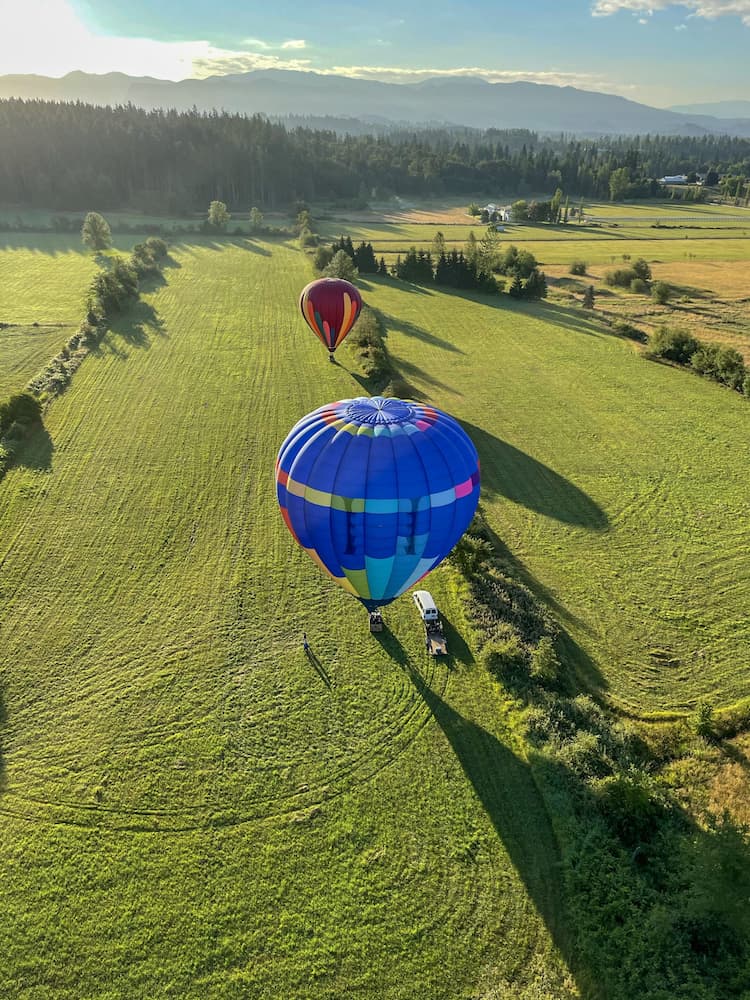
<point x="376" y="621"/>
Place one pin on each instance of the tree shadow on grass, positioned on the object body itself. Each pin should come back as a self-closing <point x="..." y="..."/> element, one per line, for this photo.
<point x="505" y="787"/>
<point x="135" y="326"/>
<point x="550" y="312"/>
<point x="509" y="472"/>
<point x="35" y="452"/>
<point x="412" y="330"/>
<point x="520" y="571"/>
<point x="209" y="242"/>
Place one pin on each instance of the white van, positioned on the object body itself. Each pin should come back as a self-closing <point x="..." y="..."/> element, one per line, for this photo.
<point x="426" y="606"/>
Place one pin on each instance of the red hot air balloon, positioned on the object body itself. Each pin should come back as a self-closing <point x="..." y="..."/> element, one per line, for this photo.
<point x="330" y="307"/>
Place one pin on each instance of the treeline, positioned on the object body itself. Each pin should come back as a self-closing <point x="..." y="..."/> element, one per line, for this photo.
<point x="66" y="156"/>
<point x="715" y="361"/>
<point x="472" y="269"/>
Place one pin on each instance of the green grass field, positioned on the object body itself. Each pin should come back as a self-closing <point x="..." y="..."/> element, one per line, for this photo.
<point x="42" y="281"/>
<point x="188" y="806"/>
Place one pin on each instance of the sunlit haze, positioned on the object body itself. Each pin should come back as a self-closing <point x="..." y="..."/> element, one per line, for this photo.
<point x="607" y="45"/>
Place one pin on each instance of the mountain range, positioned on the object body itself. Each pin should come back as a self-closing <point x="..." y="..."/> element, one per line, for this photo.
<point x="719" y="109"/>
<point x="470" y="101"/>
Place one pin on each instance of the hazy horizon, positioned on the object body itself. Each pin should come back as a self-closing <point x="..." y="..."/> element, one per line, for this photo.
<point x="657" y="52"/>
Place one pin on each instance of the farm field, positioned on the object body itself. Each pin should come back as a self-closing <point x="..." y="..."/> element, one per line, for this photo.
<point x="188" y="807"/>
<point x="710" y="298"/>
<point x="618" y="484"/>
<point x="42" y="282"/>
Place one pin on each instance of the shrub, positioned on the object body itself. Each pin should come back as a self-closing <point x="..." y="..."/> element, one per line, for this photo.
<point x="341" y="266"/>
<point x="157" y="247"/>
<point x="307" y="238"/>
<point x="322" y="258"/>
<point x="621" y="278"/>
<point x="705" y="360"/>
<point x="702" y="720"/>
<point x="746" y="385"/>
<point x="95" y="232"/>
<point x="506" y="659"/>
<point x="625" y="329"/>
<point x="584" y="755"/>
<point x="578" y="267"/>
<point x="25" y="409"/>
<point x="545" y="666"/>
<point x="730" y="367"/>
<point x="673" y="344"/>
<point x="639" y="286"/>
<point x="5" y="418"/>
<point x="641" y="268"/>
<point x="661" y="293"/>
<point x="630" y="804"/>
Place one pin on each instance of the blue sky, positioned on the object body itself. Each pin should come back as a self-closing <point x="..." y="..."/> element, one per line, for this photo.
<point x="656" y="51"/>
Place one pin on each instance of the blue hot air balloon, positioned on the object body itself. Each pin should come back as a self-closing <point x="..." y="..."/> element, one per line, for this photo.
<point x="377" y="491"/>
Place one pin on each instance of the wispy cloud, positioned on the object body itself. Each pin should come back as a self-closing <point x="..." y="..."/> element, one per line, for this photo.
<point x="709" y="9"/>
<point x="219" y="62"/>
<point x="294" y="43"/>
<point x="401" y="74"/>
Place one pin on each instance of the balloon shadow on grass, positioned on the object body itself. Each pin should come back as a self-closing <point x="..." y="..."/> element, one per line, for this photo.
<point x="693" y="898"/>
<point x="510" y="472"/>
<point x="506" y="789"/>
<point x="392" y="646"/>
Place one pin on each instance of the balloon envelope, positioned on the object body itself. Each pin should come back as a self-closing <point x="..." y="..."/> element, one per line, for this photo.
<point x="377" y="491"/>
<point x="330" y="307"/>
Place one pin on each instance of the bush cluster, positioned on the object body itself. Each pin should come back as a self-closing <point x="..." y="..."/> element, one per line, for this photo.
<point x="715" y="361"/>
<point x="19" y="415"/>
<point x="366" y="339"/>
<point x="110" y="291"/>
<point x="635" y="277"/>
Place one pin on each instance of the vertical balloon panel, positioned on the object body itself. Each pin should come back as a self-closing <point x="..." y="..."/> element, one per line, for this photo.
<point x="377" y="491"/>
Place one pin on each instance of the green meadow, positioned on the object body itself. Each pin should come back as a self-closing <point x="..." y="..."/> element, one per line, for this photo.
<point x="42" y="286"/>
<point x="189" y="807"/>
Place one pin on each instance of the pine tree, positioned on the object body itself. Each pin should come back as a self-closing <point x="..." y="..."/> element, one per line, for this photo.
<point x="516" y="287"/>
<point x="588" y="298"/>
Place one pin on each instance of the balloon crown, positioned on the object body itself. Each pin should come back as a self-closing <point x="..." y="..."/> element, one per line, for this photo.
<point x="380" y="410"/>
